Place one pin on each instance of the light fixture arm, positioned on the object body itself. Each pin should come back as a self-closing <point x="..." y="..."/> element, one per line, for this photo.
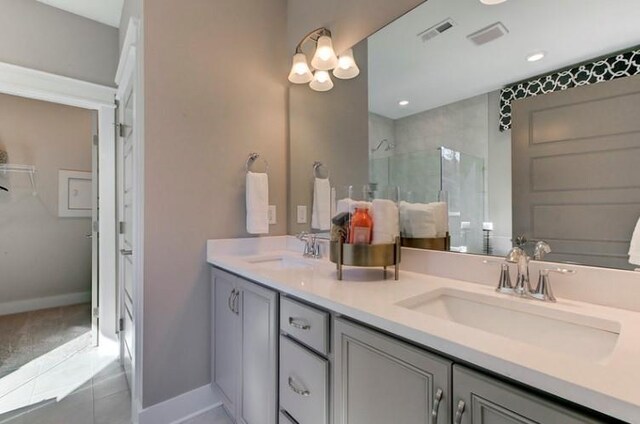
<point x="312" y="36"/>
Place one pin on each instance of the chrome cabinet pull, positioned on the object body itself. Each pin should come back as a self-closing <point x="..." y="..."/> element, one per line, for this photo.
<point x="233" y="292"/>
<point x="436" y="406"/>
<point x="299" y="324"/>
<point x="459" y="412"/>
<point x="125" y="252"/>
<point x="236" y="303"/>
<point x="297" y="390"/>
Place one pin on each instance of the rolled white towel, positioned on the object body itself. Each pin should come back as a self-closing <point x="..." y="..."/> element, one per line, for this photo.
<point x="417" y="220"/>
<point x="321" y="210"/>
<point x="634" y="247"/>
<point x="386" y="221"/>
<point x="257" y="194"/>
<point x="441" y="213"/>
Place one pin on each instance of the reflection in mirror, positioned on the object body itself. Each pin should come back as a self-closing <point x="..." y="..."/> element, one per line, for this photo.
<point x="523" y="113"/>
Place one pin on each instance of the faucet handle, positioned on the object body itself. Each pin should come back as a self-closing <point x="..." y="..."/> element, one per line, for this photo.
<point x="541" y="249"/>
<point x="543" y="290"/>
<point x="504" y="284"/>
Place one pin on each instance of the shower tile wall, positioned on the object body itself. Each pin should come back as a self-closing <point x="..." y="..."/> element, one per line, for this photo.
<point x="415" y="166"/>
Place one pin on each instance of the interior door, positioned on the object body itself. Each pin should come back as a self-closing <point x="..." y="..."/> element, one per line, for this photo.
<point x="95" y="284"/>
<point x="576" y="179"/>
<point x="126" y="252"/>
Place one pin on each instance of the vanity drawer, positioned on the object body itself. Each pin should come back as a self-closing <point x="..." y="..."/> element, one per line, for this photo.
<point x="304" y="383"/>
<point x="306" y="324"/>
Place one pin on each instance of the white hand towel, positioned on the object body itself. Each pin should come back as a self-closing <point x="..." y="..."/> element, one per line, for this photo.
<point x="634" y="247"/>
<point x="422" y="221"/>
<point x="257" y="192"/>
<point x="441" y="213"/>
<point x="386" y="221"/>
<point x="321" y="211"/>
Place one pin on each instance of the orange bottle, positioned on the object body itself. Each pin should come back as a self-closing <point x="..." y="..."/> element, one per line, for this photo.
<point x="361" y="227"/>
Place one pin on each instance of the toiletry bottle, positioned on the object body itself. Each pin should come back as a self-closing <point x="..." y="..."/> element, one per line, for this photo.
<point x="361" y="225"/>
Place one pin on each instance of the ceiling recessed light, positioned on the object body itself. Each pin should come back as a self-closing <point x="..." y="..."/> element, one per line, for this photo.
<point x="534" y="57"/>
<point x="403" y="102"/>
<point x="492" y="2"/>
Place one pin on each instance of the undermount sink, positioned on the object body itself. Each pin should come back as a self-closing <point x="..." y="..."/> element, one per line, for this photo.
<point x="559" y="331"/>
<point x="279" y="262"/>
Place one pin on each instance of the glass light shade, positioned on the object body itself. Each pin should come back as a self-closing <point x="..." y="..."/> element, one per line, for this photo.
<point x="300" y="72"/>
<point x="321" y="81"/>
<point x="347" y="67"/>
<point x="324" y="59"/>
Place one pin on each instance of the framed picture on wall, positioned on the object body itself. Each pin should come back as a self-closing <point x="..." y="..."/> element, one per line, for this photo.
<point x="74" y="194"/>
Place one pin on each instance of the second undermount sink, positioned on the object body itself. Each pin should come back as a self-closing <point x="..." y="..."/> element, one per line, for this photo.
<point x="280" y="262"/>
<point x="559" y="331"/>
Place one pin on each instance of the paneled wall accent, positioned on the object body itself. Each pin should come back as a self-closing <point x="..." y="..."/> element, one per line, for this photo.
<point x="576" y="180"/>
<point x="617" y="66"/>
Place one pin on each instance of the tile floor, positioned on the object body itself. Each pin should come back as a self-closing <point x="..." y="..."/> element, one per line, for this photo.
<point x="50" y="373"/>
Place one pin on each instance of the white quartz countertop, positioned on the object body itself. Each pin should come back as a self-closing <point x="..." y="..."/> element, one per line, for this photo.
<point x="610" y="385"/>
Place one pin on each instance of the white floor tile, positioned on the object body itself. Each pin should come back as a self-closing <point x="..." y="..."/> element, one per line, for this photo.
<point x="114" y="409"/>
<point x="215" y="416"/>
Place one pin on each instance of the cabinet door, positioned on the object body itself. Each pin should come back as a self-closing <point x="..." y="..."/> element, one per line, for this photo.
<point x="226" y="340"/>
<point x="480" y="399"/>
<point x="380" y="380"/>
<point x="259" y="332"/>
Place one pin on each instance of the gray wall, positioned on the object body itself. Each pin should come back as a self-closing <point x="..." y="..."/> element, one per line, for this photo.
<point x="215" y="90"/>
<point x="331" y="127"/>
<point x="41" y="37"/>
<point x="499" y="178"/>
<point x="42" y="255"/>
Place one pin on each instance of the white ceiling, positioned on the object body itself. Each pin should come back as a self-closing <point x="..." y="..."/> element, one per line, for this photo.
<point x="450" y="67"/>
<point x="104" y="11"/>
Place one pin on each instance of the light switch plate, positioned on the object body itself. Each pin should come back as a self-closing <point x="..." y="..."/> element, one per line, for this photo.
<point x="272" y="215"/>
<point x="302" y="214"/>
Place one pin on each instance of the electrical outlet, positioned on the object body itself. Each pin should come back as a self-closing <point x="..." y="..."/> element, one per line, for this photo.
<point x="302" y="214"/>
<point x="272" y="215"/>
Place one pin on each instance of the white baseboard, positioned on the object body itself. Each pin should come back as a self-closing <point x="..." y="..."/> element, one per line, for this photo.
<point x="44" y="303"/>
<point x="181" y="408"/>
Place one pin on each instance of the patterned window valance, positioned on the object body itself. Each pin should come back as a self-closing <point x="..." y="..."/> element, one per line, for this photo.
<point x="620" y="65"/>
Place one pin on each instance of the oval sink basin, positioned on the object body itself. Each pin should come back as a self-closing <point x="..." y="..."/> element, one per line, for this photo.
<point x="529" y="322"/>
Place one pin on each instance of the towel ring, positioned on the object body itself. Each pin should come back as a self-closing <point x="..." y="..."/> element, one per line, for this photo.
<point x="252" y="158"/>
<point x="316" y="170"/>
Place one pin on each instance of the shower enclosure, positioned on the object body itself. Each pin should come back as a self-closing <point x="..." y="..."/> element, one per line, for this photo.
<point x="423" y="175"/>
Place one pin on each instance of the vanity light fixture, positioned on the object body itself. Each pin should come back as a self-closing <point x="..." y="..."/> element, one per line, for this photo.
<point x="324" y="60"/>
<point x="534" y="57"/>
<point x="492" y="2"/>
<point x="403" y="103"/>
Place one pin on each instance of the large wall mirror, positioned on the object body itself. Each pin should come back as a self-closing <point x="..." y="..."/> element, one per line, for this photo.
<point x="526" y="114"/>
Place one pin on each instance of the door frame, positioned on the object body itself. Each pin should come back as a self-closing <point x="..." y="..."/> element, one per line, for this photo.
<point x="130" y="72"/>
<point x="38" y="85"/>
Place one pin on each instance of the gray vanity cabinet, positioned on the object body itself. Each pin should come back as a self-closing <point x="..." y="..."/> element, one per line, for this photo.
<point x="480" y="399"/>
<point x="245" y="346"/>
<point x="380" y="380"/>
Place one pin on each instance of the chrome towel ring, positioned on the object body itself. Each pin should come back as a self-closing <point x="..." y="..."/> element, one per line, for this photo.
<point x="251" y="160"/>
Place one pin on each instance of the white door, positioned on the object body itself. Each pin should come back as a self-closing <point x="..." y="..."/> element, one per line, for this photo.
<point x="95" y="289"/>
<point x="126" y="248"/>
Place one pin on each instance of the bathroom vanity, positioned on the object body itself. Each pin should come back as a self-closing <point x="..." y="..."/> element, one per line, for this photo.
<point x="291" y="344"/>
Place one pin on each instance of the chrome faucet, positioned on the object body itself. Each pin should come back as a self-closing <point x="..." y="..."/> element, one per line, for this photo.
<point x="311" y="245"/>
<point x="523" y="284"/>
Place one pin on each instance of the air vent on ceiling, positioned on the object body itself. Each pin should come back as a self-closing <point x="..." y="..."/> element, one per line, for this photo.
<point x="434" y="31"/>
<point x="488" y="34"/>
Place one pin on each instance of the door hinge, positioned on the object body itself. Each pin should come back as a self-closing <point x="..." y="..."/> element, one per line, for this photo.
<point x="96" y="312"/>
<point x="121" y="324"/>
<point x="95" y="226"/>
<point x="121" y="227"/>
<point x="120" y="129"/>
<point x="95" y="140"/>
